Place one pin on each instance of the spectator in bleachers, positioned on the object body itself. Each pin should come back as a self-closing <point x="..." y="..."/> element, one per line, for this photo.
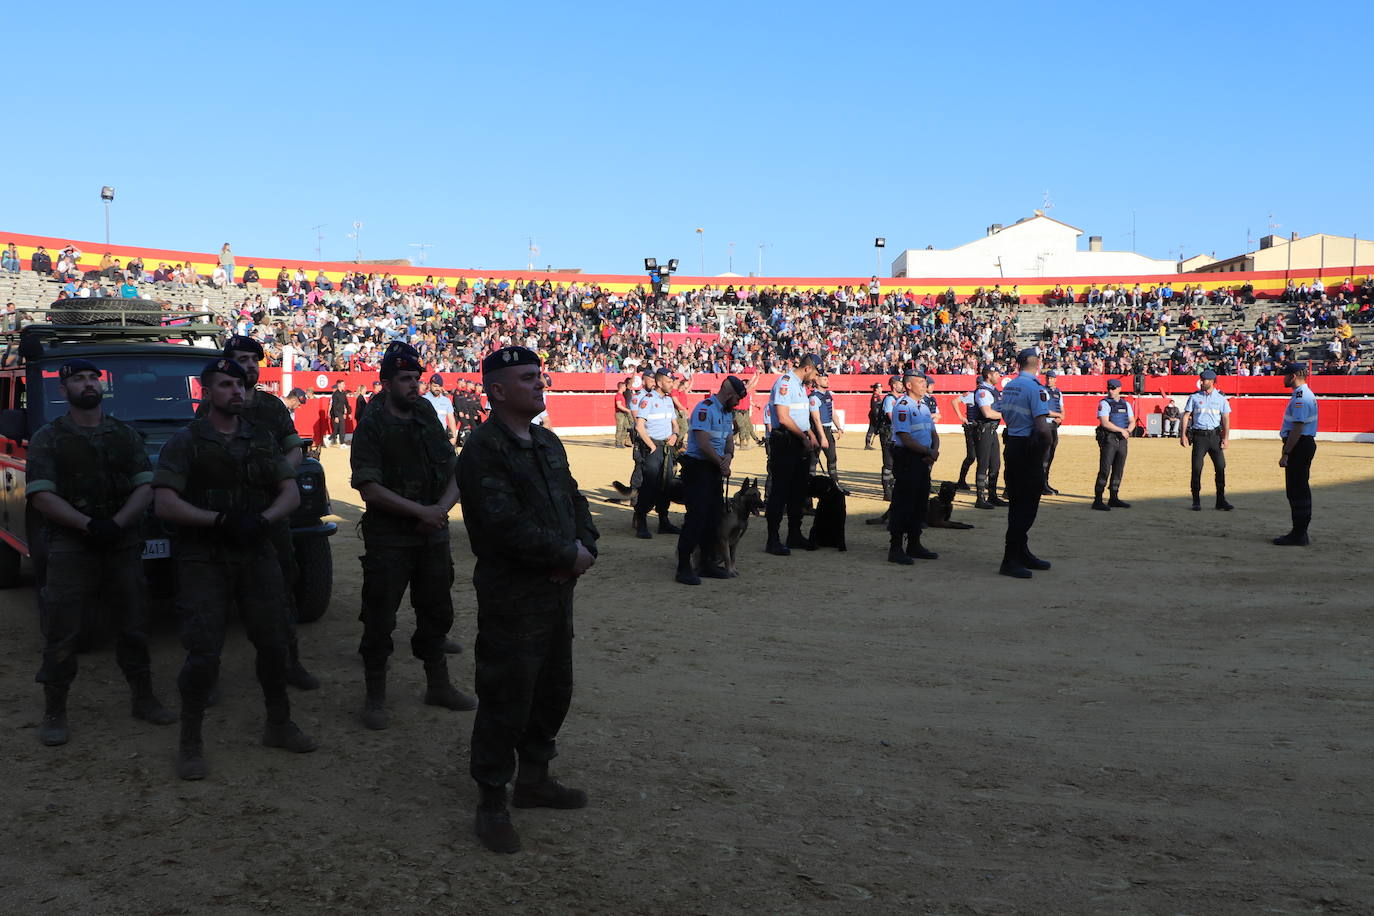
<point x="250" y="277"/>
<point x="219" y="279"/>
<point x="226" y="260"/>
<point x="9" y="261"/>
<point x="41" y="263"/>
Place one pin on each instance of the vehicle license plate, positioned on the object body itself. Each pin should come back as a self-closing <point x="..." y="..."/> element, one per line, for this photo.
<point x="157" y="548"/>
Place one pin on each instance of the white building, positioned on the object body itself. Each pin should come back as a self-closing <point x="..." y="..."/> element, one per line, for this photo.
<point x="1037" y="246"/>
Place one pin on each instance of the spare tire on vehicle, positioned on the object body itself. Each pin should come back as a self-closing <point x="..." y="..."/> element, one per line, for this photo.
<point x="145" y="312"/>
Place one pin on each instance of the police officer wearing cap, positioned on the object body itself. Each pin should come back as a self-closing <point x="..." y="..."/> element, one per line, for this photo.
<point x="1114" y="419"/>
<point x="705" y="468"/>
<point x="532" y="533"/>
<point x="986" y="417"/>
<point x="1026" y="406"/>
<point x="267" y="412"/>
<point x="223" y="482"/>
<point x="403" y="467"/>
<point x="655" y="442"/>
<point x="1206" y="427"/>
<point x="965" y="411"/>
<point x="896" y="390"/>
<point x="89" y="476"/>
<point x="822" y="407"/>
<point x="1299" y="435"/>
<point x="790" y="446"/>
<point x="915" y="449"/>
<point x="1055" y="417"/>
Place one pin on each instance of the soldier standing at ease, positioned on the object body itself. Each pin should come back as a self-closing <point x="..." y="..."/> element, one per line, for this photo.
<point x="705" y="468"/>
<point x="1207" y="428"/>
<point x="1299" y="435"/>
<point x="403" y="467"/>
<point x="986" y="416"/>
<point x="532" y="532"/>
<point x="267" y="412"/>
<point x="1114" y="419"/>
<point x="655" y="419"/>
<point x="1025" y="404"/>
<point x="89" y="475"/>
<point x="223" y="483"/>
<point x="915" y="449"/>
<point x="1055" y="417"/>
<point x="790" y="445"/>
<point x="624" y="420"/>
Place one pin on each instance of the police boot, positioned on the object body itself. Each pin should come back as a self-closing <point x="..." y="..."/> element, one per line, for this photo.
<point x="374" y="703"/>
<point x="190" y="749"/>
<point x="895" y="553"/>
<point x="1222" y="504"/>
<point x="1013" y="565"/>
<point x="1098" y="504"/>
<point x="774" y="545"/>
<point x="1031" y="561"/>
<point x="439" y="691"/>
<point x="641" y="527"/>
<point x="795" y="539"/>
<point x="281" y="732"/>
<point x="962" y="484"/>
<point x="296" y="675"/>
<point x="1116" y="502"/>
<point x="996" y="502"/>
<point x="535" y="788"/>
<point x="980" y="502"/>
<point x="145" y="705"/>
<point x="917" y="551"/>
<point x="493" y="821"/>
<point x="53" y="730"/>
<point x="666" y="526"/>
<point x="1197" y="502"/>
<point x="685" y="573"/>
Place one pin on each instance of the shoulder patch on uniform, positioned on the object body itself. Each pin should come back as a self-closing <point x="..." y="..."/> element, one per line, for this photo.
<point x="782" y="389"/>
<point x="701" y="415"/>
<point x="901" y="415"/>
<point x="1044" y="396"/>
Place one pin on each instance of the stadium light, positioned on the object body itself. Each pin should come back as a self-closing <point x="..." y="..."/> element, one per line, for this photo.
<point x="651" y="263"/>
<point x="878" y="245"/>
<point x="107" y="195"/>
<point x="672" y="265"/>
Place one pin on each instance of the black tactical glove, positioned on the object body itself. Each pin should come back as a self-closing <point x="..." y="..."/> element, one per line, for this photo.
<point x="103" y="532"/>
<point x="241" y="528"/>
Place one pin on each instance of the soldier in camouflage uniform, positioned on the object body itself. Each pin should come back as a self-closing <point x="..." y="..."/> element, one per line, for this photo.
<point x="533" y="535"/>
<point x="89" y="475"/>
<point x="223" y="483"/>
<point x="403" y="467"/>
<point x="266" y="411"/>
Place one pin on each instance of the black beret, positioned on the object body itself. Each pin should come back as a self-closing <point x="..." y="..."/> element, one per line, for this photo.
<point x="73" y="366"/>
<point x="226" y="366"/>
<point x="509" y="356"/>
<point x="400" y="355"/>
<point x="737" y="385"/>
<point x="246" y="344"/>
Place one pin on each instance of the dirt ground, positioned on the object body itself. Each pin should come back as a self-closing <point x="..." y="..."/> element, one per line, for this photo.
<point x="1175" y="720"/>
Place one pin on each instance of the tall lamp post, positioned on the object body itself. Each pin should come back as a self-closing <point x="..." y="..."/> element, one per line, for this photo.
<point x="701" y="242"/>
<point x="107" y="195"/>
<point x="878" y="245"/>
<point x="660" y="281"/>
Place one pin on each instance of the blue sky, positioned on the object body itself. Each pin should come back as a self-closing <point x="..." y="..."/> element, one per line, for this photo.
<point x="612" y="131"/>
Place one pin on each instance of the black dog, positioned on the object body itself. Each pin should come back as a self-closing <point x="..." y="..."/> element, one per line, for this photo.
<point x="827" y="530"/>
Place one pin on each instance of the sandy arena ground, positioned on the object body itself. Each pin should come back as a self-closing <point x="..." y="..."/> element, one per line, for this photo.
<point x="1175" y="719"/>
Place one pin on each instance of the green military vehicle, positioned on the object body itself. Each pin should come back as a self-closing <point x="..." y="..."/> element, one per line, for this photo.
<point x="153" y="358"/>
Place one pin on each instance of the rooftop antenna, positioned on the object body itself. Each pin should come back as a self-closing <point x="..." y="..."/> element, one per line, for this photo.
<point x="1046" y="204"/>
<point x="357" y="236"/>
<point x="762" y="245"/>
<point x="424" y="247"/>
<point x="534" y="252"/>
<point x="319" y="240"/>
<point x="731" y="266"/>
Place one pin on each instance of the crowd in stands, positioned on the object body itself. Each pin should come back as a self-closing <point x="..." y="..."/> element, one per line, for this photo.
<point x="580" y="327"/>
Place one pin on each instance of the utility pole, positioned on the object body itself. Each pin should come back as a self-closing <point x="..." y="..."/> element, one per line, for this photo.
<point x="319" y="241"/>
<point x="424" y="247"/>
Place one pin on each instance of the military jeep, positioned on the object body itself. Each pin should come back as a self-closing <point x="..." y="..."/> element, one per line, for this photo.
<point x="152" y="358"/>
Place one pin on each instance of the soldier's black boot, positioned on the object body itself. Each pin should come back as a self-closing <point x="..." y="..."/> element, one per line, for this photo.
<point x="1098" y="503"/>
<point x="281" y="732"/>
<point x="666" y="526"/>
<point x="1031" y="561"/>
<point x="996" y="502"/>
<point x="493" y="821"/>
<point x="774" y="545"/>
<point x="980" y="502"/>
<point x="53" y="730"/>
<point x="375" y="715"/>
<point x="685" y="573"/>
<point x="917" y="551"/>
<point x="1012" y="565"/>
<point x="145" y="704"/>
<point x="1222" y="504"/>
<point x="1116" y="502"/>
<point x="190" y="749"/>
<point x="796" y="539"/>
<point x="439" y="690"/>
<point x="1197" y="502"/>
<point x="296" y="674"/>
<point x="962" y="484"/>
<point x="1298" y="536"/>
<point x="895" y="553"/>
<point x="535" y="788"/>
<point x="642" y="527"/>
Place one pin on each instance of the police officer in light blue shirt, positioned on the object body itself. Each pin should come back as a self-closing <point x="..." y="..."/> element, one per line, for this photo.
<point x="1056" y="417"/>
<point x="1299" y="434"/>
<point x="822" y="405"/>
<point x="986" y="416"/>
<point x="1025" y="407"/>
<point x="915" y="449"/>
<point x="1206" y="427"/>
<point x="655" y="440"/>
<point x="964" y="406"/>
<point x="705" y="467"/>
<point x="885" y="433"/>
<point x="1114" y="418"/>
<point x="790" y="445"/>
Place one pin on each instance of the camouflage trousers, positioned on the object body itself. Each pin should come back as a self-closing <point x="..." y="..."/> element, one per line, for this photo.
<point x="77" y="579"/>
<point x="387" y="571"/>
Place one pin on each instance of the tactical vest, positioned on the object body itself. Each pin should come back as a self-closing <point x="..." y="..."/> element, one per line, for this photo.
<point x="417" y="471"/>
<point x="976" y="414"/>
<point x="95" y="481"/>
<point x="1118" y="412"/>
<point x="826" y="404"/>
<point x="220" y="481"/>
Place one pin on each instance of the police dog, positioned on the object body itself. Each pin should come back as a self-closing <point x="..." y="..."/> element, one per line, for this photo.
<point x="724" y="544"/>
<point x="828" y="528"/>
<point x="938" y="510"/>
